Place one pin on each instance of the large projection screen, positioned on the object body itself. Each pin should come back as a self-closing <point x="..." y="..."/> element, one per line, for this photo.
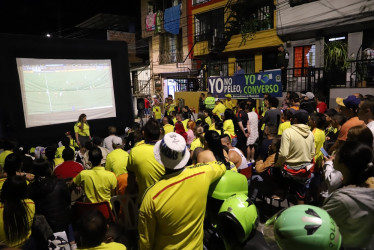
<point x="56" y="91"/>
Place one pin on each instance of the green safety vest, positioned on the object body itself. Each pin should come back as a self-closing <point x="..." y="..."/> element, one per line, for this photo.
<point x="210" y="102"/>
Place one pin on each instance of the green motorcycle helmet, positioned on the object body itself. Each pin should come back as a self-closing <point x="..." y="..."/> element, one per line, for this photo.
<point x="237" y="219"/>
<point x="303" y="227"/>
<point x="229" y="184"/>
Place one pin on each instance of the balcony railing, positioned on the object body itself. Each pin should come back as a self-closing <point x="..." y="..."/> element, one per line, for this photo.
<point x="305" y="79"/>
<point x="361" y="73"/>
<point x="168" y="57"/>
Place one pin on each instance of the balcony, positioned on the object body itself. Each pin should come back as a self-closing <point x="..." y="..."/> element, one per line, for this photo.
<point x="170" y="57"/>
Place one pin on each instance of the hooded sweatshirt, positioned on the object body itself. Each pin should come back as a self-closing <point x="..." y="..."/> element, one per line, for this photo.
<point x="297" y="146"/>
<point x="352" y="208"/>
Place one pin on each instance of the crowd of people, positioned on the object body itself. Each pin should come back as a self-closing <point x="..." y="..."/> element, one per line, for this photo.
<point x="198" y="177"/>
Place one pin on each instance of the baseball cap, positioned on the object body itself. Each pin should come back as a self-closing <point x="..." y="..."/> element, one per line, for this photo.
<point x="228" y="95"/>
<point x="310" y="95"/>
<point x="351" y="102"/>
<point x="172" y="151"/>
<point x="339" y="101"/>
<point x="117" y="141"/>
<point x="217" y="99"/>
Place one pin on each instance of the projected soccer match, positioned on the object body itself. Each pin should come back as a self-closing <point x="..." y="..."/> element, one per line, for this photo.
<point x="58" y="90"/>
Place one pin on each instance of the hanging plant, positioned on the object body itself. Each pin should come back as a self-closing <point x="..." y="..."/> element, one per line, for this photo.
<point x="248" y="30"/>
<point x="336" y="56"/>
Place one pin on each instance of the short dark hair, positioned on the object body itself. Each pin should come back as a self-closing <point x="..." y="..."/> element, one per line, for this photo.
<point x="152" y="130"/>
<point x="95" y="156"/>
<point x="274" y="102"/>
<point x="319" y="119"/>
<point x="65" y="141"/>
<point x="68" y="154"/>
<point x="92" y="228"/>
<point x="242" y="105"/>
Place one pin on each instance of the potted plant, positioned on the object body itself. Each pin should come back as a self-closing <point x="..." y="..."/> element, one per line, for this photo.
<point x="336" y="62"/>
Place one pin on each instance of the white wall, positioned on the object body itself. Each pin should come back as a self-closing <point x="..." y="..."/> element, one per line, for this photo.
<point x="321" y="14"/>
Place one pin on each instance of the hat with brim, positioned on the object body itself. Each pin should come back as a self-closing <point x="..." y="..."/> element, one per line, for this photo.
<point x="339" y="101"/>
<point x="172" y="151"/>
<point x="351" y="102"/>
<point x="228" y="95"/>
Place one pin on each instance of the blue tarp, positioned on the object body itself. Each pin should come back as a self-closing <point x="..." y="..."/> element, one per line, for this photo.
<point x="172" y="19"/>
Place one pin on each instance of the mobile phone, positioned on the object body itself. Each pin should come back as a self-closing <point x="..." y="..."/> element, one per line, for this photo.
<point x="325" y="153"/>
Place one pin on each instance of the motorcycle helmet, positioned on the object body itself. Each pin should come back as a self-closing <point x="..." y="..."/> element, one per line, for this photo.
<point x="303" y="227"/>
<point x="237" y="219"/>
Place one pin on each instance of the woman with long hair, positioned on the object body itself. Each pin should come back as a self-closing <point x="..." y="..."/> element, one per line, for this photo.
<point x="351" y="206"/>
<point x="51" y="197"/>
<point x="179" y="129"/>
<point x="199" y="140"/>
<point x="82" y="130"/>
<point x="190" y="135"/>
<point x="16" y="212"/>
<point x="230" y="125"/>
<point x="213" y="149"/>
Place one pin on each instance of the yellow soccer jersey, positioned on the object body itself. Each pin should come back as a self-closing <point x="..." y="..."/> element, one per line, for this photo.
<point x="116" y="161"/>
<point x="144" y="165"/>
<point x="172" y="213"/>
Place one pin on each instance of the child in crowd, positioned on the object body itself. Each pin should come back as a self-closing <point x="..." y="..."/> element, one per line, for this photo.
<point x="286" y="118"/>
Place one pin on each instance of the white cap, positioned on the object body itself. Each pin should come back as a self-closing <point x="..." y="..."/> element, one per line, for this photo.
<point x="172" y="151"/>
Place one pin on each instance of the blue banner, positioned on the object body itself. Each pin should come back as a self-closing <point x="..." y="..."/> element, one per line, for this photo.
<point x="244" y="86"/>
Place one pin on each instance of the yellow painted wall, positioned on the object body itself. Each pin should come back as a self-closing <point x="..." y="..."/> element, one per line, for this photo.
<point x="201" y="48"/>
<point x="262" y="39"/>
<point x="209" y="7"/>
<point x="191" y="99"/>
<point x="231" y="62"/>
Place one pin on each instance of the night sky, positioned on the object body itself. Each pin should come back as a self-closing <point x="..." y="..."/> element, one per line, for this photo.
<point x="39" y="17"/>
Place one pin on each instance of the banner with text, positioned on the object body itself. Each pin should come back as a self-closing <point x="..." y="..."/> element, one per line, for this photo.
<point x="244" y="86"/>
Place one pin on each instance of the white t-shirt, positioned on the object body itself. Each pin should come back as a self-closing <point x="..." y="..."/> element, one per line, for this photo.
<point x="108" y="142"/>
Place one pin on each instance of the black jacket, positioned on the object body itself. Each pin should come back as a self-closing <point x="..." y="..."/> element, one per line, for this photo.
<point x="52" y="199"/>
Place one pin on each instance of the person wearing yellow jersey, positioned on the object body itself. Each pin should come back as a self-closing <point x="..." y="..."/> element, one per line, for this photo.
<point x="92" y="230"/>
<point x="8" y="149"/>
<point x="98" y="184"/>
<point x="207" y="115"/>
<point x="156" y="110"/>
<point x="116" y="161"/>
<point x="65" y="143"/>
<point x="16" y="212"/>
<point x="214" y="120"/>
<point x="143" y="168"/>
<point x="229" y="126"/>
<point x="219" y="109"/>
<point x="199" y="140"/>
<point x="316" y="123"/>
<point x="172" y="213"/>
<point x="170" y="107"/>
<point x="167" y="124"/>
<point x="286" y="123"/>
<point x="228" y="102"/>
<point x="82" y="130"/>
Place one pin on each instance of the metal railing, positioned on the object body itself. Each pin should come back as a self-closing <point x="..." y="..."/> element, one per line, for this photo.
<point x="169" y="57"/>
<point x="305" y="79"/>
<point x="361" y="73"/>
<point x="142" y="87"/>
<point x="190" y="84"/>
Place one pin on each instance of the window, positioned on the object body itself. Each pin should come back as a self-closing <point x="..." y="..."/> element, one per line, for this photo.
<point x="248" y="64"/>
<point x="209" y="24"/>
<point x="304" y="57"/>
<point x="170" y="48"/>
<point x="218" y="68"/>
<point x="265" y="18"/>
